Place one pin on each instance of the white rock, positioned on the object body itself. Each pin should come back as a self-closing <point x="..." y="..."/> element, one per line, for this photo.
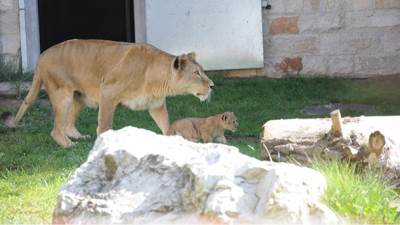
<point x="138" y="177"/>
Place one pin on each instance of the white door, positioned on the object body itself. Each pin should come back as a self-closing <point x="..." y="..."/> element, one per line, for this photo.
<point x="225" y="34"/>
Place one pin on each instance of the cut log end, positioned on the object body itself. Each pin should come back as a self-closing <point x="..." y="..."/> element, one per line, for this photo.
<point x="376" y="143"/>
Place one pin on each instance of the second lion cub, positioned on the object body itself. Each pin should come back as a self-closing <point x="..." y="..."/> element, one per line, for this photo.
<point x="210" y="129"/>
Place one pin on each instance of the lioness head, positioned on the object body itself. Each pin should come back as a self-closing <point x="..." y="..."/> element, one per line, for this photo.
<point x="229" y="121"/>
<point x="190" y="77"/>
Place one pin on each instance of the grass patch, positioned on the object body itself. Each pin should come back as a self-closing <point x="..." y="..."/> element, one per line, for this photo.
<point x="33" y="167"/>
<point x="11" y="72"/>
<point x="359" y="196"/>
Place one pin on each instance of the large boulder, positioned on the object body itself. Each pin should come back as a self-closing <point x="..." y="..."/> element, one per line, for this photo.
<point x="138" y="177"/>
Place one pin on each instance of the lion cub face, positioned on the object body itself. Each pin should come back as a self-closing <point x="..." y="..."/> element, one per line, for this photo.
<point x="191" y="77"/>
<point x="229" y="121"/>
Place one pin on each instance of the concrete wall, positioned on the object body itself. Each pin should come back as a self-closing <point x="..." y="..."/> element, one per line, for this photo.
<point x="9" y="31"/>
<point x="343" y="38"/>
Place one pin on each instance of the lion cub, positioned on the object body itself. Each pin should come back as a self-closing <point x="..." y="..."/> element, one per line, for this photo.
<point x="210" y="129"/>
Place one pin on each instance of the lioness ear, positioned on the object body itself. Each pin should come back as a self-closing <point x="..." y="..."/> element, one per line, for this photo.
<point x="179" y="62"/>
<point x="192" y="55"/>
<point x="224" y="117"/>
<point x="176" y="64"/>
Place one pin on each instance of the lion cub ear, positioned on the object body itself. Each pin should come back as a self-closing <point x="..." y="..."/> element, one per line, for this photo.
<point x="192" y="55"/>
<point x="179" y="62"/>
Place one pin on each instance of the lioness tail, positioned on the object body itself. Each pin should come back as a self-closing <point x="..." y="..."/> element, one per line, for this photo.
<point x="7" y="117"/>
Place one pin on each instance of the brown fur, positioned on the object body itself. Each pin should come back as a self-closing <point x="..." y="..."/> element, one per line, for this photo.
<point x="104" y="74"/>
<point x="210" y="129"/>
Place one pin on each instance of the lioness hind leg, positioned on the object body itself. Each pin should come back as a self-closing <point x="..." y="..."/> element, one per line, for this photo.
<point x="61" y="101"/>
<point x="76" y="108"/>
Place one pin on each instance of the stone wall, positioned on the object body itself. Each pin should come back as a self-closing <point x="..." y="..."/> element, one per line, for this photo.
<point x="343" y="38"/>
<point x="9" y="31"/>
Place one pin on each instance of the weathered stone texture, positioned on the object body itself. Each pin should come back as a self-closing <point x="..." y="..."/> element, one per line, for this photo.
<point x="373" y="19"/>
<point x="290" y="65"/>
<point x="284" y="25"/>
<point x="372" y="65"/>
<point x="333" y="5"/>
<point x="320" y="23"/>
<point x="340" y="65"/>
<point x="361" y="4"/>
<point x="351" y="43"/>
<point x="387" y="4"/>
<point x="9" y="22"/>
<point x="9" y="30"/>
<point x="6" y="5"/>
<point x="278" y="7"/>
<point x="314" y="66"/>
<point x="333" y="37"/>
<point x="311" y="6"/>
<point x="293" y="6"/>
<point x="391" y="41"/>
<point x="289" y="45"/>
<point x="10" y="44"/>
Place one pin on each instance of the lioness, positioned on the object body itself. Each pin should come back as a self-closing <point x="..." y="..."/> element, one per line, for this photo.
<point x="104" y="74"/>
<point x="210" y="129"/>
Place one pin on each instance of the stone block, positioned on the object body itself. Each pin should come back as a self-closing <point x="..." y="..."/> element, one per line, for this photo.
<point x="320" y="23"/>
<point x="293" y="6"/>
<point x="314" y="66"/>
<point x="290" y="65"/>
<point x="391" y="42"/>
<point x="270" y="69"/>
<point x="284" y="25"/>
<point x="351" y="43"/>
<point x="333" y="5"/>
<point x="10" y="44"/>
<point x="340" y="65"/>
<point x="9" y="22"/>
<point x="366" y="66"/>
<point x="311" y="6"/>
<point x="359" y="5"/>
<point x="292" y="45"/>
<point x="278" y="7"/>
<point x="7" y="4"/>
<point x="387" y="4"/>
<point x="375" y="18"/>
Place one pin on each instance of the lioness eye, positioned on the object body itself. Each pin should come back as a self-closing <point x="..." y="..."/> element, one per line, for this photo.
<point x="197" y="73"/>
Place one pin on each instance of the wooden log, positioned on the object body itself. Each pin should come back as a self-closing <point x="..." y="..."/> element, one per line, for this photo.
<point x="350" y="153"/>
<point x="292" y="137"/>
<point x="337" y="125"/>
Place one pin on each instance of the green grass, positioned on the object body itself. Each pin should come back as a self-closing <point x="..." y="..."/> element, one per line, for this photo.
<point x="33" y="167"/>
<point x="11" y="72"/>
<point x="359" y="196"/>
